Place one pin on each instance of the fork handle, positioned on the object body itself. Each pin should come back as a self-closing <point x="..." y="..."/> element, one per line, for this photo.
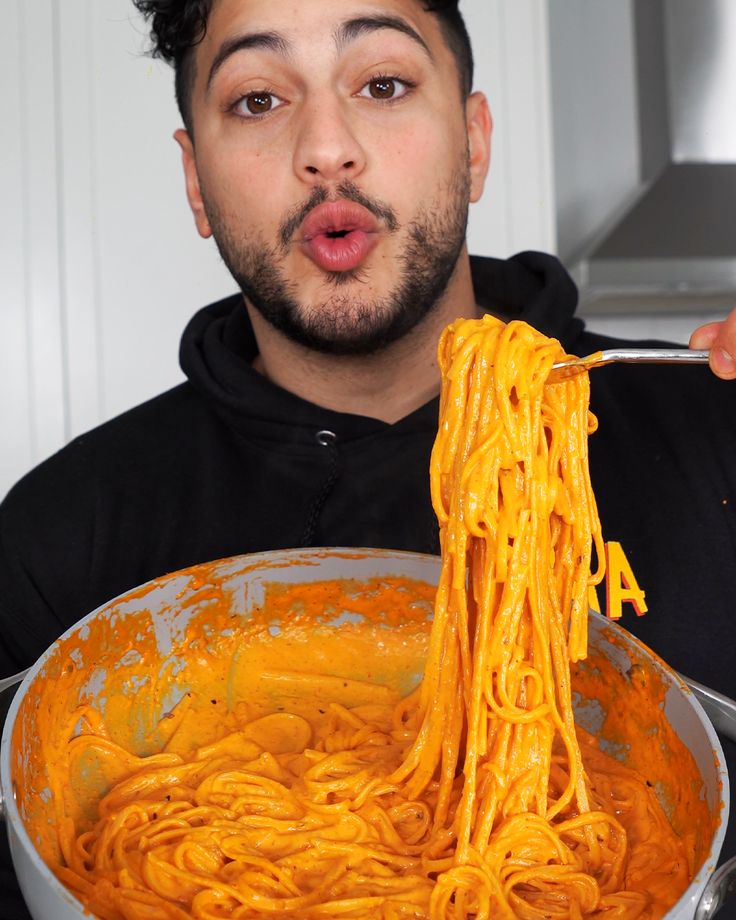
<point x="654" y="356"/>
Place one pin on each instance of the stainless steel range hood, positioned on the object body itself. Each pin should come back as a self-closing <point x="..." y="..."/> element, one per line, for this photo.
<point x="680" y="232"/>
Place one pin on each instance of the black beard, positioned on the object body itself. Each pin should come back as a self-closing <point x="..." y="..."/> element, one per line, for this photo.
<point x="343" y="325"/>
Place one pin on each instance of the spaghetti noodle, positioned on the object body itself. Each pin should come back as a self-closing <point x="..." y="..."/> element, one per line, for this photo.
<point x="474" y="797"/>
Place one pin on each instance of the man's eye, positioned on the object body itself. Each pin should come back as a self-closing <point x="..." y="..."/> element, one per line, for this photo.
<point x="259" y="102"/>
<point x="385" y="88"/>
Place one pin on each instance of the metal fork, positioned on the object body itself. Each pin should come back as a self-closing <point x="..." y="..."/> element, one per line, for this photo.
<point x="629" y="356"/>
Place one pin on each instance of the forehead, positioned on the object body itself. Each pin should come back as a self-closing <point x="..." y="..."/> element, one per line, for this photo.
<point x="316" y="24"/>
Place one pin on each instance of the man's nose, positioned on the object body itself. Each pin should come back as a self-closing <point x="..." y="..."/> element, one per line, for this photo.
<point x="327" y="147"/>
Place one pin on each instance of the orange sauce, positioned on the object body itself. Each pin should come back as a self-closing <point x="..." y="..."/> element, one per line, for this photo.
<point x="303" y="647"/>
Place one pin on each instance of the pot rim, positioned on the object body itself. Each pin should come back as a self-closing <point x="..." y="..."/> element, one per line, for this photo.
<point x="9" y="808"/>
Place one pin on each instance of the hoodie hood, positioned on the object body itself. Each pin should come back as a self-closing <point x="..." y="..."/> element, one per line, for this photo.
<point x="533" y="287"/>
<point x="218" y="348"/>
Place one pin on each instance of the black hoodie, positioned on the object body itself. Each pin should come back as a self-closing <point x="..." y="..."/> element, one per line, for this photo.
<point x="228" y="463"/>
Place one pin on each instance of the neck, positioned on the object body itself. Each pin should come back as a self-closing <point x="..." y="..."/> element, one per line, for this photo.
<point x="388" y="385"/>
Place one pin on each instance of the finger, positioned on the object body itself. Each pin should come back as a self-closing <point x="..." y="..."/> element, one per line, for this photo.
<point x="723" y="350"/>
<point x="720" y="340"/>
<point x="723" y="363"/>
<point x="704" y="336"/>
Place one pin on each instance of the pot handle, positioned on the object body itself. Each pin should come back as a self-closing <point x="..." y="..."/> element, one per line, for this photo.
<point x="720" y="887"/>
<point x="720" y="709"/>
<point x="5" y="684"/>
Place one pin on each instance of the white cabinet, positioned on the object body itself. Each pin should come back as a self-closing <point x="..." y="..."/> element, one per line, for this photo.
<point x="100" y="265"/>
<point x="32" y="419"/>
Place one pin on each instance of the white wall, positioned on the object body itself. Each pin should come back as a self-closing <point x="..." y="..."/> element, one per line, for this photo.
<point x="100" y="266"/>
<point x="594" y="109"/>
<point x="510" y="43"/>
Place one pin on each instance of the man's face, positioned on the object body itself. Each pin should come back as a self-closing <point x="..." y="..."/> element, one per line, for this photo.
<point x="333" y="162"/>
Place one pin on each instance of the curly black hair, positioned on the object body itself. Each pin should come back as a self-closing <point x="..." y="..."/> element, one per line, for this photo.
<point x="177" y="26"/>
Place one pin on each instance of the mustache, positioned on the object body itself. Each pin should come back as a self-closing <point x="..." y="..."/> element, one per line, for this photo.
<point x="348" y="190"/>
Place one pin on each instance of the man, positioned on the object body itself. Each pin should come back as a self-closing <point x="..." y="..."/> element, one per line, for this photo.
<point x="332" y="149"/>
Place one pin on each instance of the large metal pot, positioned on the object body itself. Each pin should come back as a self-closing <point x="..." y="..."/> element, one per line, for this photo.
<point x="163" y="611"/>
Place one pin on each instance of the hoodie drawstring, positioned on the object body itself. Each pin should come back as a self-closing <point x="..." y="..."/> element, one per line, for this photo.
<point x="328" y="440"/>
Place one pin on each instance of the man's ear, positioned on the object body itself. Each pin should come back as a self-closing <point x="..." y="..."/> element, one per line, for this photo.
<point x="480" y="127"/>
<point x="191" y="177"/>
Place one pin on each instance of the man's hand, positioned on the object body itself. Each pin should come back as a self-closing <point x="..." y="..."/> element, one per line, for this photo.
<point x="720" y="339"/>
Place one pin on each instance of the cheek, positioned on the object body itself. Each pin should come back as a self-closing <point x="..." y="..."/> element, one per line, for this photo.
<point x="419" y="176"/>
<point x="421" y="157"/>
<point x="246" y="189"/>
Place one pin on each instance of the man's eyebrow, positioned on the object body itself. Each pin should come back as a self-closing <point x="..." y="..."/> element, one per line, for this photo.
<point x="271" y="41"/>
<point x="352" y="29"/>
<point x="347" y="32"/>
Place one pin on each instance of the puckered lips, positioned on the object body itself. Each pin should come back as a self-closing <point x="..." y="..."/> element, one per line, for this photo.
<point x="338" y="235"/>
